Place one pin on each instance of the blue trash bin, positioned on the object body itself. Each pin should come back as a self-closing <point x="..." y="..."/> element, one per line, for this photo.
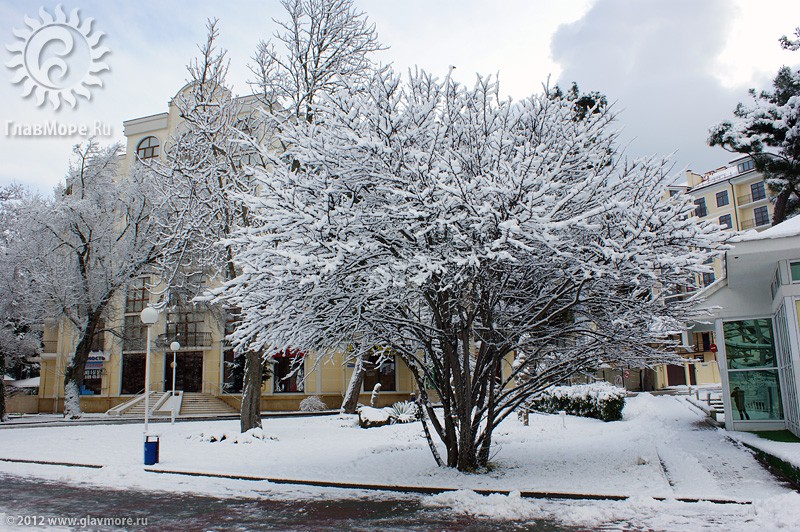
<point x="150" y="450"/>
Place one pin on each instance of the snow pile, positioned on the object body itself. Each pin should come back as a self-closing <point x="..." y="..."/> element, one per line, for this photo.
<point x="313" y="404"/>
<point x="251" y="436"/>
<point x="369" y="417"/>
<point x="400" y="412"/>
<point x="496" y="506"/>
<point x="600" y="400"/>
<point x="781" y="511"/>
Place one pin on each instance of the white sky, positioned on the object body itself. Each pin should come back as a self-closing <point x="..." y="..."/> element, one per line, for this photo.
<point x="673" y="68"/>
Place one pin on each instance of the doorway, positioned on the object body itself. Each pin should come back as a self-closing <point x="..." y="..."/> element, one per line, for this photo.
<point x="188" y="372"/>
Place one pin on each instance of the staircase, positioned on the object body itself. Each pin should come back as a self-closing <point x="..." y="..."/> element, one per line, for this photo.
<point x="192" y="405"/>
<point x="717" y="409"/>
<point x="203" y="404"/>
<point x="135" y="407"/>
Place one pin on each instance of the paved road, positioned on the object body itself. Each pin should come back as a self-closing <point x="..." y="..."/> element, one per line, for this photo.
<point x="29" y="502"/>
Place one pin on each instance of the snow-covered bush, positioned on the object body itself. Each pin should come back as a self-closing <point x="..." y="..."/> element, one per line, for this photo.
<point x="251" y="436"/>
<point x="404" y="412"/>
<point x="600" y="400"/>
<point x="313" y="404"/>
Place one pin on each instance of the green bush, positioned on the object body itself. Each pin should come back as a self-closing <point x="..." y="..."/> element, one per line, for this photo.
<point x="600" y="401"/>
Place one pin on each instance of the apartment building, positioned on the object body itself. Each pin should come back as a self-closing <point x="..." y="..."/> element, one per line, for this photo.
<point x="734" y="196"/>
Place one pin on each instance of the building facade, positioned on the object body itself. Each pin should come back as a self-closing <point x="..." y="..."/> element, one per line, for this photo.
<point x="205" y="363"/>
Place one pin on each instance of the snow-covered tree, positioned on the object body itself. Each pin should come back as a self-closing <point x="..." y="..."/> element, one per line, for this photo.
<point x="768" y="130"/>
<point x="76" y="249"/>
<point x="322" y="47"/>
<point x="207" y="169"/>
<point x="454" y="228"/>
<point x="791" y="44"/>
<point x="19" y="340"/>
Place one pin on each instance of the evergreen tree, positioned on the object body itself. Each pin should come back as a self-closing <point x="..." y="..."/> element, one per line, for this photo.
<point x="768" y="130"/>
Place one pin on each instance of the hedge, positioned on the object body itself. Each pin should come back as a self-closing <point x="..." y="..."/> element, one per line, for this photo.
<point x="600" y="400"/>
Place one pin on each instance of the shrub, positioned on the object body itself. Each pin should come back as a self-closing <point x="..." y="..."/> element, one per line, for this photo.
<point x="313" y="404"/>
<point x="600" y="400"/>
<point x="404" y="412"/>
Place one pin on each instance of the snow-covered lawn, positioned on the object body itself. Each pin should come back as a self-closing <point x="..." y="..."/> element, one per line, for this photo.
<point x="662" y="448"/>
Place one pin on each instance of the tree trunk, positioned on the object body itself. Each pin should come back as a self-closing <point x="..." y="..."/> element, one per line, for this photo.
<point x="251" y="394"/>
<point x="350" y="402"/>
<point x="73" y="376"/>
<point x="781" y="203"/>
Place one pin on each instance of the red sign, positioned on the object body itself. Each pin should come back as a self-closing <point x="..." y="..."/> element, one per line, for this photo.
<point x="713" y="348"/>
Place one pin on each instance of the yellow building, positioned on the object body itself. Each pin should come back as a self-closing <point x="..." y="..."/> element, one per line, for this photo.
<point x="205" y="364"/>
<point x="734" y="196"/>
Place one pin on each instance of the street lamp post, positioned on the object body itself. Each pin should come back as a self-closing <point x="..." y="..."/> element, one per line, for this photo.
<point x="149" y="316"/>
<point x="174" y="346"/>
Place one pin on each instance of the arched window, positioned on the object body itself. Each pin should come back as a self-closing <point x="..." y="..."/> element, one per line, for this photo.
<point x="148" y="148"/>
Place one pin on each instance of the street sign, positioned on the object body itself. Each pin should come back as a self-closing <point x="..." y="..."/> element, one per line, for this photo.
<point x="713" y="348"/>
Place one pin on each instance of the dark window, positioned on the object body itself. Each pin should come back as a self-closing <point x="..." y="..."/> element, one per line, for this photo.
<point x="138" y="296"/>
<point x="722" y="198"/>
<point x="288" y="372"/>
<point x="673" y="193"/>
<point x="705" y="341"/>
<point x="98" y="340"/>
<point x="148" y="148"/>
<point x="758" y="191"/>
<point x="761" y="215"/>
<point x="233" y="372"/>
<point x="380" y="370"/>
<point x="700" y="209"/>
<point x="725" y="220"/>
<point x="708" y="278"/>
<point x="135" y="334"/>
<point x="132" y="373"/>
<point x="187" y="327"/>
<point x="746" y="166"/>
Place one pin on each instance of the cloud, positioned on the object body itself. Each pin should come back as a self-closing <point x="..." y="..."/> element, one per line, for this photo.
<point x="654" y="59"/>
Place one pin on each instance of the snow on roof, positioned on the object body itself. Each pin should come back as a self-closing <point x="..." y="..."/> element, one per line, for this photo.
<point x="790" y="227"/>
<point x="7" y="378"/>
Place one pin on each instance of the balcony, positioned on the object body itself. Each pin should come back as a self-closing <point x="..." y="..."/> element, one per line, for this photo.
<point x="750" y="224"/>
<point x="748" y="198"/>
<point x="187" y="341"/>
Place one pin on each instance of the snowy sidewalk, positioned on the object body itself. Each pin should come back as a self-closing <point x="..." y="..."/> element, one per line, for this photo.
<point x="662" y="449"/>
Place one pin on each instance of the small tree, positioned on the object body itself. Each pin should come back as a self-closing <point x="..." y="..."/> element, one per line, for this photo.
<point x="456" y="228"/>
<point x="206" y="173"/>
<point x="768" y="130"/>
<point x="76" y="249"/>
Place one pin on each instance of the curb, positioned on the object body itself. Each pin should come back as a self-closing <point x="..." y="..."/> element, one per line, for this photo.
<point x="422" y="490"/>
<point x="426" y="490"/>
<point x="122" y="420"/>
<point x="45" y="462"/>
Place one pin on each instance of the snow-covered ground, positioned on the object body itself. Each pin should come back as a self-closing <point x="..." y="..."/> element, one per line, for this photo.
<point x="662" y="448"/>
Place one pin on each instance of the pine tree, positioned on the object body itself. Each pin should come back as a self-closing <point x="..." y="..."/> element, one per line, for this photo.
<point x="768" y="130"/>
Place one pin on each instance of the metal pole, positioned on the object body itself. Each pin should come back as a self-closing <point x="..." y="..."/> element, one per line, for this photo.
<point x="147" y="384"/>
<point x="174" y="367"/>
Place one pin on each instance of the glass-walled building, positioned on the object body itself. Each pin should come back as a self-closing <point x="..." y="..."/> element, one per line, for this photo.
<point x="755" y="314"/>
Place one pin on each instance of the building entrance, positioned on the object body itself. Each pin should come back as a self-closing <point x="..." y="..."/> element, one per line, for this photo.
<point x="188" y="372"/>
